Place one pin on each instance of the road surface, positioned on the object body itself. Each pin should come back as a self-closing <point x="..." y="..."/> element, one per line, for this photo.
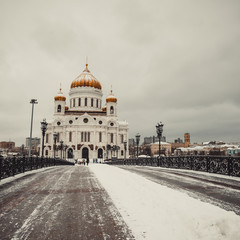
<point x="222" y="191"/>
<point x="65" y="202"/>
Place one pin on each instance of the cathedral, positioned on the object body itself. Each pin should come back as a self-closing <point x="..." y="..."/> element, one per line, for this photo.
<point x="86" y="129"/>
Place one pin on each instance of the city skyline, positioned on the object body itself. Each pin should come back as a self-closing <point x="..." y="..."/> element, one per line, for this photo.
<point x="175" y="62"/>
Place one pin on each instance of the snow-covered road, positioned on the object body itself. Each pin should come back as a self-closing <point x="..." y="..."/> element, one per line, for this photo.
<point x="106" y="202"/>
<point x="220" y="190"/>
<point x="153" y="211"/>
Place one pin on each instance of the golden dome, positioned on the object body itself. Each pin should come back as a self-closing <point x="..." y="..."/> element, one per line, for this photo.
<point x="66" y="108"/>
<point x="111" y="98"/>
<point x="60" y="96"/>
<point x="104" y="109"/>
<point x="86" y="79"/>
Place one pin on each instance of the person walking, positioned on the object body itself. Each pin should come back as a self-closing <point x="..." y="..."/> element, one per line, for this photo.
<point x="87" y="161"/>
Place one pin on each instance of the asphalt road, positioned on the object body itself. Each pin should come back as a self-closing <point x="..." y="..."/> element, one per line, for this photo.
<point x="215" y="189"/>
<point x="64" y="202"/>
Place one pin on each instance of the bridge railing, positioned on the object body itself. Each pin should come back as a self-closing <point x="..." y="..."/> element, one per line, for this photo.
<point x="213" y="164"/>
<point x="15" y="165"/>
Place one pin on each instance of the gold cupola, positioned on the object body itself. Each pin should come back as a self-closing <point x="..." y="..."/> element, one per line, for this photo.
<point x="111" y="98"/>
<point x="86" y="79"/>
<point x="60" y="96"/>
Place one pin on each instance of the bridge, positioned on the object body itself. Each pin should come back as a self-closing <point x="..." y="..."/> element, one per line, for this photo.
<point x="55" y="201"/>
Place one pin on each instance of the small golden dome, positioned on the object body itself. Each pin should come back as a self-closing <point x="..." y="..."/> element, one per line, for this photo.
<point x="104" y="109"/>
<point x="86" y="79"/>
<point x="66" y="108"/>
<point x="111" y="98"/>
<point x="60" y="96"/>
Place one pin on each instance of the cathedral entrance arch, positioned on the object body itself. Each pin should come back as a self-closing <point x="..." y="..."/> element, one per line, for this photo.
<point x="70" y="153"/>
<point x="85" y="153"/>
<point x="100" y="153"/>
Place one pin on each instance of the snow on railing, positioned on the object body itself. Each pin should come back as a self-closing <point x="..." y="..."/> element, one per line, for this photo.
<point x="214" y="164"/>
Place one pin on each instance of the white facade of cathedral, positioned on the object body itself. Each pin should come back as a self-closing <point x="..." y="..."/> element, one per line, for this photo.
<point x="86" y="129"/>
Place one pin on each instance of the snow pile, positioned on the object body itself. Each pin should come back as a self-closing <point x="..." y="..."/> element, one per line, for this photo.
<point x="153" y="211"/>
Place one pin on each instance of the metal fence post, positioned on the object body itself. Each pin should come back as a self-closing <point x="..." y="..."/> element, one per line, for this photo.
<point x="1" y="166"/>
<point x="230" y="167"/>
<point x="14" y="166"/>
<point x="208" y="164"/>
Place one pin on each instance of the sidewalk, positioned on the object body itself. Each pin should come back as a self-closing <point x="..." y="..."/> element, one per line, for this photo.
<point x="60" y="203"/>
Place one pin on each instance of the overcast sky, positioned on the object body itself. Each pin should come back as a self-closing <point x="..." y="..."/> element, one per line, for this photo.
<point x="167" y="60"/>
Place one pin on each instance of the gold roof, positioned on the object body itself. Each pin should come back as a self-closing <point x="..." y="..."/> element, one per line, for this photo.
<point x="60" y="96"/>
<point x="111" y="98"/>
<point x="86" y="79"/>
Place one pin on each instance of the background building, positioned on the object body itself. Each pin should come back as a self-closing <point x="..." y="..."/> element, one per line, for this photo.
<point x="165" y="148"/>
<point x="7" y="145"/>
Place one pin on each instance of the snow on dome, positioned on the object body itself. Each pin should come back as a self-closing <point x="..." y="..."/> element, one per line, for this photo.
<point x="111" y="98"/>
<point x="60" y="96"/>
<point x="86" y="79"/>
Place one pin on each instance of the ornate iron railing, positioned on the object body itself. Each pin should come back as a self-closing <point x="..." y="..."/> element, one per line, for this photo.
<point x="15" y="165"/>
<point x="213" y="164"/>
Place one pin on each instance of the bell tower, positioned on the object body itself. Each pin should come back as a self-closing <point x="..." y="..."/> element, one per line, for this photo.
<point x="111" y="105"/>
<point x="60" y="103"/>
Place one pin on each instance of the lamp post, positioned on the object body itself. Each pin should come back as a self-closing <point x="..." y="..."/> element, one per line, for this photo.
<point x="117" y="149"/>
<point x="22" y="149"/>
<point x="125" y="149"/>
<point x="54" y="145"/>
<point x="137" y="141"/>
<point x="33" y="101"/>
<point x="65" y="150"/>
<point x="108" y="149"/>
<point x="159" y="129"/>
<point x="43" y="128"/>
<point x="61" y="144"/>
<point x="112" y="149"/>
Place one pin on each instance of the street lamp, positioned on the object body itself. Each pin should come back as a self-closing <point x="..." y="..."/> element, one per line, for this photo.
<point x="61" y="144"/>
<point x="108" y="149"/>
<point x="117" y="148"/>
<point x="159" y="129"/>
<point x="54" y="146"/>
<point x="125" y="149"/>
<point x="65" y="150"/>
<point x="43" y="128"/>
<point x="33" y="101"/>
<point x="137" y="141"/>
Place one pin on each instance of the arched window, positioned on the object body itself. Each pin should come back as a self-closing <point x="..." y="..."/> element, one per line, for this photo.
<point x="111" y="110"/>
<point x="97" y="103"/>
<point x="100" y="136"/>
<point x="86" y="102"/>
<point x="100" y="153"/>
<point x="70" y="136"/>
<point x="70" y="153"/>
<point x="79" y="102"/>
<point x="59" y="108"/>
<point x="74" y="102"/>
<point x="111" y="136"/>
<point x="91" y="102"/>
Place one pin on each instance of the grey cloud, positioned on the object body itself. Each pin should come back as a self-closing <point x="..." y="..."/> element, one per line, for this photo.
<point x="171" y="61"/>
